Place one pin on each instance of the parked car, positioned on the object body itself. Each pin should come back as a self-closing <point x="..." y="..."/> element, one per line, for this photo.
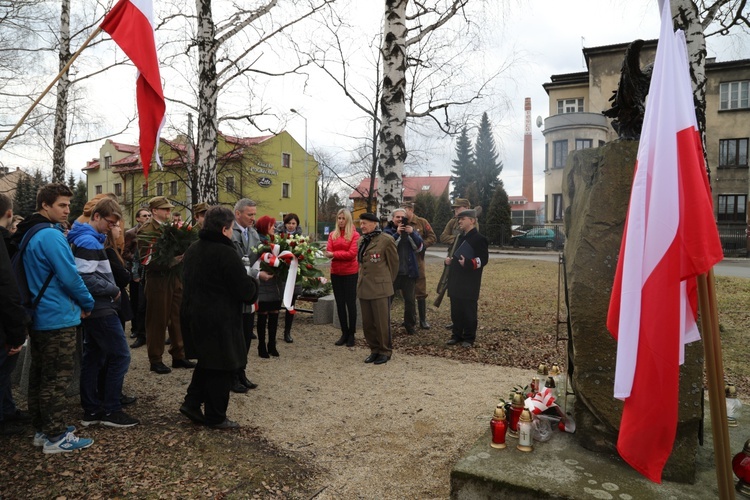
<point x="539" y="237"/>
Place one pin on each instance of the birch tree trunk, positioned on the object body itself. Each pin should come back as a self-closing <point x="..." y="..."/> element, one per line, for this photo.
<point x="391" y="143"/>
<point x="208" y="92"/>
<point x="61" y="107"/>
<point x="686" y="17"/>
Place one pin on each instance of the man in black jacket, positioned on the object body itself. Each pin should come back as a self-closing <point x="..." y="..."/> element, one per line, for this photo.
<point x="12" y="327"/>
<point x="465" y="278"/>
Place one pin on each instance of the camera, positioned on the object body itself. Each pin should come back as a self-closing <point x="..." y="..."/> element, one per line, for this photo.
<point x="405" y="221"/>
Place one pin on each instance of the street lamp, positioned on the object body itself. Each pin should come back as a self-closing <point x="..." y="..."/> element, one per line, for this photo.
<point x="307" y="229"/>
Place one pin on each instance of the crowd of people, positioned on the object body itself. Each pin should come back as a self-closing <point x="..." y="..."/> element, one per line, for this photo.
<point x="204" y="303"/>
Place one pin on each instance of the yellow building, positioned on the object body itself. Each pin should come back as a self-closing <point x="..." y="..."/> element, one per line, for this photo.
<point x="273" y="170"/>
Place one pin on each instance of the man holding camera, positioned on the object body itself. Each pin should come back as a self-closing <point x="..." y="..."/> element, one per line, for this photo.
<point x="423" y="227"/>
<point x="408" y="243"/>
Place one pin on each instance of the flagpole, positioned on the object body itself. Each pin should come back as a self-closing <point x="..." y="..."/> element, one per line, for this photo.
<point x="44" y="93"/>
<point x="719" y="363"/>
<point x="715" y="376"/>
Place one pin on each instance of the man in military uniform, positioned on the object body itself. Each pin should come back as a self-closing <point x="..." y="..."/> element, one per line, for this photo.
<point x="199" y="213"/>
<point x="163" y="295"/>
<point x="423" y="227"/>
<point x="451" y="230"/>
<point x="133" y="262"/>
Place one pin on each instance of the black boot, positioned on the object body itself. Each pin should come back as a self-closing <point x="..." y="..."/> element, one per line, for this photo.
<point x="350" y="338"/>
<point x="246" y="381"/>
<point x="288" y="320"/>
<point x="343" y="339"/>
<point x="422" y="307"/>
<point x="262" y="319"/>
<point x="238" y="386"/>
<point x="273" y="325"/>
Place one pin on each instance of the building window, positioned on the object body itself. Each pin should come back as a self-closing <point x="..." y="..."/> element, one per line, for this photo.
<point x="285" y="188"/>
<point x="732" y="207"/>
<point x="569" y="106"/>
<point x="173" y="188"/>
<point x="144" y="190"/>
<point x="561" y="154"/>
<point x="230" y="183"/>
<point x="98" y="189"/>
<point x="546" y="156"/>
<point x="557" y="207"/>
<point x="733" y="153"/>
<point x="159" y="189"/>
<point x="118" y="188"/>
<point x="734" y="95"/>
<point x="584" y="143"/>
<point x="107" y="162"/>
<point x="286" y="160"/>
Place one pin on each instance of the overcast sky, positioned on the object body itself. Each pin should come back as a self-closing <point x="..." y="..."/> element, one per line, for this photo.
<point x="548" y="35"/>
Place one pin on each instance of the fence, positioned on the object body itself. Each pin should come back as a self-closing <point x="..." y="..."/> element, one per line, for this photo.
<point x="733" y="240"/>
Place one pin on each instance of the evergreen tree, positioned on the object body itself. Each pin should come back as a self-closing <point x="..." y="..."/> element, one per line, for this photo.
<point x="78" y="201"/>
<point x="487" y="165"/>
<point x="463" y="166"/>
<point x="72" y="182"/>
<point x="23" y="203"/>
<point x="443" y="213"/>
<point x="498" y="219"/>
<point x="424" y="206"/>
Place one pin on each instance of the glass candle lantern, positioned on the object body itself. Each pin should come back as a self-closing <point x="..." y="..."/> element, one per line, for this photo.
<point x="499" y="427"/>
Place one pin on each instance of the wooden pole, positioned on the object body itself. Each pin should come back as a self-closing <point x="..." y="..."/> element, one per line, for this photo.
<point x="715" y="377"/>
<point x="44" y="93"/>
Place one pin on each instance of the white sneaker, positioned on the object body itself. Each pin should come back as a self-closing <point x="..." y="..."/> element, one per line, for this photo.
<point x="40" y="438"/>
<point x="67" y="443"/>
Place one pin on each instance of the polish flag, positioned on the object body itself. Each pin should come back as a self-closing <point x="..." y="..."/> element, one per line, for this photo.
<point x="670" y="238"/>
<point x="130" y="24"/>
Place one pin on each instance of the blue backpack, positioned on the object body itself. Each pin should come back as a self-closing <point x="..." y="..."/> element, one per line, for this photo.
<point x="28" y="301"/>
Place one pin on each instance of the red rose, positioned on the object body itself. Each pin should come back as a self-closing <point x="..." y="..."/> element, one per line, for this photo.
<point x="309" y="266"/>
<point x="301" y="256"/>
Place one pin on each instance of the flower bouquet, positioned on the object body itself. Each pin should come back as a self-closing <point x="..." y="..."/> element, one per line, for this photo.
<point x="163" y="246"/>
<point x="292" y="258"/>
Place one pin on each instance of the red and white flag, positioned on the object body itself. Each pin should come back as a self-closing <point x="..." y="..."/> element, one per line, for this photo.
<point x="130" y="24"/>
<point x="670" y="238"/>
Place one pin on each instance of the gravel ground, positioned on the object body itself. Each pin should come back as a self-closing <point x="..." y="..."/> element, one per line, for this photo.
<point x="388" y="431"/>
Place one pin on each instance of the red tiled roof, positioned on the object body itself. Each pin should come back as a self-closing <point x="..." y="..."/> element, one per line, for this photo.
<point x="125" y="148"/>
<point x="92" y="165"/>
<point x="246" y="141"/>
<point x="436" y="185"/>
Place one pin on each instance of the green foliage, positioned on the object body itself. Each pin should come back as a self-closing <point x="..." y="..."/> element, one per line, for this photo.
<point x="463" y="169"/>
<point x="488" y="167"/>
<point x="24" y="203"/>
<point x="80" y="197"/>
<point x="424" y="206"/>
<point x="328" y="209"/>
<point x="498" y="220"/>
<point x="443" y="213"/>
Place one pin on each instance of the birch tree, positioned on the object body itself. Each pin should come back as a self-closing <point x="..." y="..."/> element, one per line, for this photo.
<point x="425" y="44"/>
<point x="699" y="20"/>
<point x="231" y="54"/>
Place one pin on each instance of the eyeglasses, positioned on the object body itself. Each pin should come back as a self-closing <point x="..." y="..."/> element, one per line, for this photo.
<point x="111" y="223"/>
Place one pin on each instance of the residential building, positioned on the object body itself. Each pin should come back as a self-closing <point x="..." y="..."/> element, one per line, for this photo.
<point x="575" y="121"/>
<point x="9" y="180"/>
<point x="412" y="186"/>
<point x="273" y="170"/>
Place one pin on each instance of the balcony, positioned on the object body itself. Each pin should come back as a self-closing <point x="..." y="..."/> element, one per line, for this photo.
<point x="574" y="121"/>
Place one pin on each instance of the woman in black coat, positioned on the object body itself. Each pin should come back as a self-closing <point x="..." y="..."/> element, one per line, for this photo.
<point x="215" y="287"/>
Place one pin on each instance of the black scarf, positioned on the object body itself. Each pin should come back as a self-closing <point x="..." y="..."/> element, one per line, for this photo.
<point x="364" y="241"/>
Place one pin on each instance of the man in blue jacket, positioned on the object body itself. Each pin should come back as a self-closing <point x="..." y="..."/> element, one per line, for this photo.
<point x="52" y="337"/>
<point x="104" y="344"/>
<point x="408" y="243"/>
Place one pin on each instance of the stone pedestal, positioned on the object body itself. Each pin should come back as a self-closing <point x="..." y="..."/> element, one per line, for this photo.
<point x="323" y="310"/>
<point x="596" y="190"/>
<point x="337" y="323"/>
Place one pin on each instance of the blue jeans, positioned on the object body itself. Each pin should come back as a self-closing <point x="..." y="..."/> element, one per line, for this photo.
<point x="7" y="364"/>
<point x="104" y="345"/>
